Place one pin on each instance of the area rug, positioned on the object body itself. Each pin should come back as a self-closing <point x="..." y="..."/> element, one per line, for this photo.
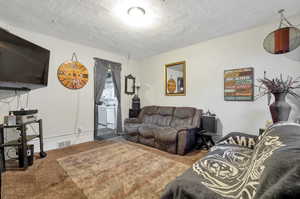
<point x="121" y="170"/>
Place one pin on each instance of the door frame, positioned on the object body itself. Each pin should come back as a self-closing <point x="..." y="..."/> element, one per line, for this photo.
<point x="95" y="110"/>
<point x="96" y="114"/>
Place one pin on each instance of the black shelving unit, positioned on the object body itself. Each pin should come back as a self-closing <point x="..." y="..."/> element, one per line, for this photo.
<point x="24" y="138"/>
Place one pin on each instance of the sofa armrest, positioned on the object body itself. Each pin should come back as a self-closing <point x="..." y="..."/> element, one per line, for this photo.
<point x="185" y="128"/>
<point x="241" y="139"/>
<point x="132" y="121"/>
<point x="186" y="140"/>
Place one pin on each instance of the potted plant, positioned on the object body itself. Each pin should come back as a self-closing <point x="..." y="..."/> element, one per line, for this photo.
<point x="280" y="88"/>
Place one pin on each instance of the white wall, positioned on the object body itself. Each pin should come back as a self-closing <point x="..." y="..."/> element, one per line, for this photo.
<point x="58" y="106"/>
<point x="206" y="63"/>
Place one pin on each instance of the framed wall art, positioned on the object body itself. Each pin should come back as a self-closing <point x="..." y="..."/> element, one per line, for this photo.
<point x="175" y="79"/>
<point x="239" y="84"/>
<point x="129" y="85"/>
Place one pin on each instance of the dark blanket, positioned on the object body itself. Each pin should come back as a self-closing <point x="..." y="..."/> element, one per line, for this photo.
<point x="241" y="139"/>
<point x="270" y="171"/>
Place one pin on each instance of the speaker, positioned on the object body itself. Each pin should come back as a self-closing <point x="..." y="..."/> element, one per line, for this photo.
<point x="209" y="123"/>
<point x="30" y="155"/>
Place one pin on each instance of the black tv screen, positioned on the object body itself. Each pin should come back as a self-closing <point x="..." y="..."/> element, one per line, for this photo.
<point x="23" y="65"/>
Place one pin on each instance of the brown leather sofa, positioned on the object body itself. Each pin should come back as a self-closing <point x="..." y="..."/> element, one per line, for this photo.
<point x="171" y="129"/>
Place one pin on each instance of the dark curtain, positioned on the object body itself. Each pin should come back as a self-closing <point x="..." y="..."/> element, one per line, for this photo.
<point x="100" y="72"/>
<point x="116" y="76"/>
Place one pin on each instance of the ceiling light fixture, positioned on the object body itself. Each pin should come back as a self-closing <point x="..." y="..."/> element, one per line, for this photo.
<point x="136" y="12"/>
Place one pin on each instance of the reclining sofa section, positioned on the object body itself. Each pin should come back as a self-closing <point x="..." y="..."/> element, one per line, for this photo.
<point x="171" y="129"/>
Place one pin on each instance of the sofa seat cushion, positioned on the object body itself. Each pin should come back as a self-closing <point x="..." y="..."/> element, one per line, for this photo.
<point x="132" y="128"/>
<point x="181" y="123"/>
<point x="147" y="131"/>
<point x="166" y="135"/>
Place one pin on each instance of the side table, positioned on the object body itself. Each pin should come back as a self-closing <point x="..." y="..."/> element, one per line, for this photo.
<point x="134" y="113"/>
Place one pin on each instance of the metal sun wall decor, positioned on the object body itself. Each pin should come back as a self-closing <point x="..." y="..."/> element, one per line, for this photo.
<point x="239" y="84"/>
<point x="72" y="74"/>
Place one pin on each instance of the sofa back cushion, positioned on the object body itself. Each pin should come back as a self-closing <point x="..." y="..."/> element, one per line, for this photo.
<point x="171" y="116"/>
<point x="183" y="117"/>
<point x="197" y="118"/>
<point x="164" y="116"/>
<point x="149" y="114"/>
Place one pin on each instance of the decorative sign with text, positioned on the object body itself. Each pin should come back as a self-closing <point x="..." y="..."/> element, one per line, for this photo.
<point x="239" y="84"/>
<point x="72" y="74"/>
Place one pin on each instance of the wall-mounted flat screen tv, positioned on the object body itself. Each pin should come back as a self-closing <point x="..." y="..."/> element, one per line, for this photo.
<point x="23" y="65"/>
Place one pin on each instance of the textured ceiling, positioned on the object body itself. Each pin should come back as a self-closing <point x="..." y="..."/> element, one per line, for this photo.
<point x="170" y="24"/>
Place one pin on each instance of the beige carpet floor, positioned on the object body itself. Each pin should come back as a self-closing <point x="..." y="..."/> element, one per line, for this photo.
<point x="107" y="169"/>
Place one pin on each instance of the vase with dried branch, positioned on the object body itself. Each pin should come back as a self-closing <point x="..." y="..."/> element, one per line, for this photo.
<point x="279" y="88"/>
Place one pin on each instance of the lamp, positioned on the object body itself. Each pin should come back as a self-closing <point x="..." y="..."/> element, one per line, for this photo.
<point x="138" y="86"/>
<point x="136" y="101"/>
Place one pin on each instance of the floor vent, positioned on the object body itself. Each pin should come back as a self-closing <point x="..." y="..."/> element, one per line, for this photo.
<point x="64" y="144"/>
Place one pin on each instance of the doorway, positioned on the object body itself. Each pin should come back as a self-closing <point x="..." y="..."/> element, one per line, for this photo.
<point x="107" y="99"/>
<point x="107" y="110"/>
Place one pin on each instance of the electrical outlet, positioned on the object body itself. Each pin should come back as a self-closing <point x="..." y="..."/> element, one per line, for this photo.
<point x="79" y="130"/>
